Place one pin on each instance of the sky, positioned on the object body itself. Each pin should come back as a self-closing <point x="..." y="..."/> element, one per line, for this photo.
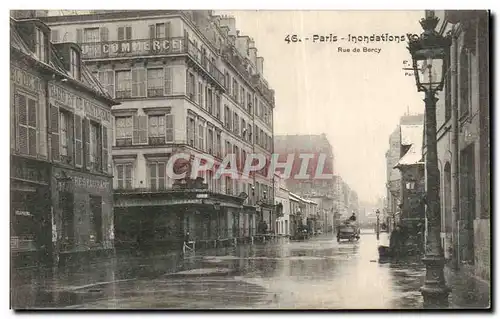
<point x="355" y="98"/>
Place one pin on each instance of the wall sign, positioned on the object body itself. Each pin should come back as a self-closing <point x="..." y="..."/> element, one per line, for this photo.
<point x="78" y="104"/>
<point x="26" y="80"/>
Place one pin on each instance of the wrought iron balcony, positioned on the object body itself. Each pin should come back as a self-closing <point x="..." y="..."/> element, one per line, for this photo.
<point x="149" y="47"/>
<point x="258" y="83"/>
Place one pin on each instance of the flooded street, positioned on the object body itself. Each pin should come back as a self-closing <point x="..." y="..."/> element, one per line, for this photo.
<point x="317" y="273"/>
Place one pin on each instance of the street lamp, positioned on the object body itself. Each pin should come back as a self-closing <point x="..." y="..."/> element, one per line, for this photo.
<point x="378" y="223"/>
<point x="430" y="62"/>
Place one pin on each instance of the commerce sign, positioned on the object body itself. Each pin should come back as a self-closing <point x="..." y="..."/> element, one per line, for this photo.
<point x="130" y="47"/>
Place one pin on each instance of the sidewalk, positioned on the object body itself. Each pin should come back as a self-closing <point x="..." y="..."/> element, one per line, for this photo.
<point x="467" y="291"/>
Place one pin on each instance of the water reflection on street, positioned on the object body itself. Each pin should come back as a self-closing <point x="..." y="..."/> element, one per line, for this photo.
<point x="313" y="274"/>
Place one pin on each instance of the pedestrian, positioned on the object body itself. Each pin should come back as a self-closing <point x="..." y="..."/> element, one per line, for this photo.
<point x="395" y="241"/>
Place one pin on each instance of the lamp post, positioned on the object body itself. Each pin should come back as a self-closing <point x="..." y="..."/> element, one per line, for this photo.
<point x="378" y="223"/>
<point x="430" y="63"/>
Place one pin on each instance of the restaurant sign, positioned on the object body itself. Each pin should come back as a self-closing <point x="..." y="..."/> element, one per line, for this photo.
<point x="131" y="47"/>
<point x="78" y="104"/>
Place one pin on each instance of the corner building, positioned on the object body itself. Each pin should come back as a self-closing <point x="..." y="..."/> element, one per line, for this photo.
<point x="61" y="128"/>
<point x="188" y="82"/>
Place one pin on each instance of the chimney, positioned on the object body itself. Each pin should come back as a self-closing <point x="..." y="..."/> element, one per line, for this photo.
<point x="229" y="22"/>
<point x="260" y="65"/>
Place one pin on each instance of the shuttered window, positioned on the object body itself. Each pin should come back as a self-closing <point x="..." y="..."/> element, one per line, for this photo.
<point x="107" y="79"/>
<point x="26" y="124"/>
<point x="124" y="33"/>
<point x="157" y="172"/>
<point x="138" y="82"/>
<point x="54" y="129"/>
<point x="78" y="141"/>
<point x="124" y="175"/>
<point x="105" y="151"/>
<point x="168" y="80"/>
<point x="169" y="127"/>
<point x="124" y="130"/>
<point x="123" y="84"/>
<point x="140" y="132"/>
<point x="156" y="82"/>
<point x="201" y="136"/>
<point x="86" y="138"/>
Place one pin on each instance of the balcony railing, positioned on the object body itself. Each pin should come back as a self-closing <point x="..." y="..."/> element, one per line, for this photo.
<point x="208" y="65"/>
<point x="264" y="90"/>
<point x="238" y="62"/>
<point x="148" y="47"/>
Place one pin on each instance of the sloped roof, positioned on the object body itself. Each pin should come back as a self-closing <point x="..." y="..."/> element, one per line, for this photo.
<point x="411" y="135"/>
<point x="87" y="82"/>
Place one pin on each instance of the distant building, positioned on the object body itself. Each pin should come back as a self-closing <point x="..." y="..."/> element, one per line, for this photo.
<point x="411" y="166"/>
<point x="394" y="182"/>
<point x="320" y="191"/>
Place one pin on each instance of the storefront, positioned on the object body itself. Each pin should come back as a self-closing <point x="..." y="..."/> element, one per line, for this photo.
<point x="83" y="211"/>
<point x="30" y="211"/>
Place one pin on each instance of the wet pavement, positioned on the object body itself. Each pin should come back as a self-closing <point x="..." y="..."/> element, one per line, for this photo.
<point x="315" y="274"/>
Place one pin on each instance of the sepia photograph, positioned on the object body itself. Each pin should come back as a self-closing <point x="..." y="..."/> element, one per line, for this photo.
<point x="250" y="159"/>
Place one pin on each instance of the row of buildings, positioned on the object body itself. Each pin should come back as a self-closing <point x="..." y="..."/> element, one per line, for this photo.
<point x="101" y="100"/>
<point x="116" y="94"/>
<point x="463" y="133"/>
<point x="333" y="197"/>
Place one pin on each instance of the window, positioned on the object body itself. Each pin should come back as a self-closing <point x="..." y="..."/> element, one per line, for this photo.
<point x="464" y="84"/>
<point x="243" y="129"/>
<point x="229" y="185"/>
<point x="124" y="33"/>
<point x="124" y="175"/>
<point x="242" y="97"/>
<point x="201" y="136"/>
<point x="157" y="175"/>
<point x="91" y="35"/>
<point x="95" y="146"/>
<point x="40" y="45"/>
<point x="75" y="64"/>
<point x="227" y="117"/>
<point x="210" y="141"/>
<point x="27" y="124"/>
<point x="250" y="133"/>
<point x="160" y="30"/>
<point x="155" y="82"/>
<point x="138" y="82"/>
<point x="236" y="152"/>
<point x="168" y="80"/>
<point x="249" y="103"/>
<point x="200" y="94"/>
<point x="107" y="79"/>
<point x="209" y="101"/>
<point x="236" y="124"/>
<point x="235" y="90"/>
<point x="218" y="145"/>
<point x="217" y="105"/>
<point x="190" y="86"/>
<point x="124" y="129"/>
<point x="227" y="82"/>
<point x="65" y="137"/>
<point x="157" y="130"/>
<point x="123" y="84"/>
<point x="54" y="36"/>
<point x="191" y="127"/>
<point x="228" y="148"/>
